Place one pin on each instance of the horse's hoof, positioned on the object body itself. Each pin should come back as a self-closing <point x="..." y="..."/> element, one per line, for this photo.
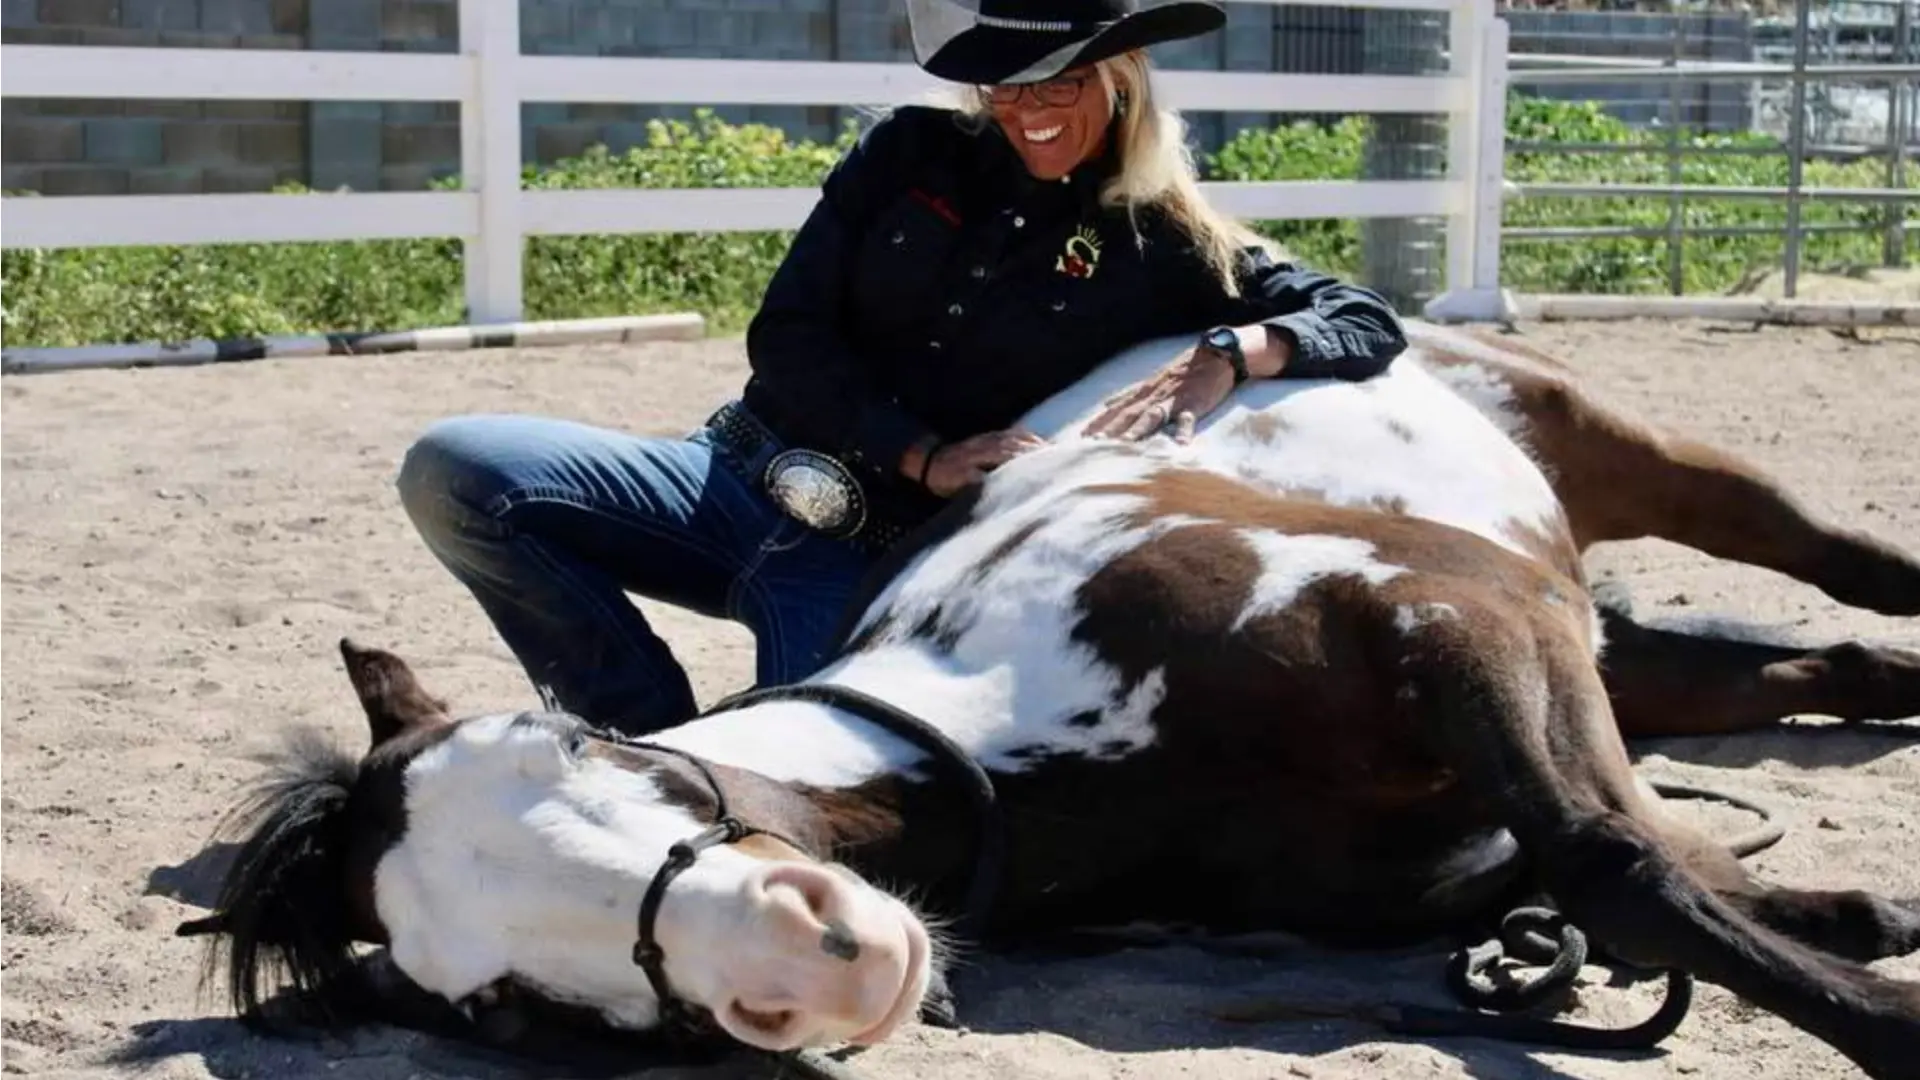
<point x="1873" y="575"/>
<point x="1882" y="682"/>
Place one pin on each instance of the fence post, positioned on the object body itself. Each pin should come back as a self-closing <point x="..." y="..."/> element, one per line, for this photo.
<point x="1489" y="190"/>
<point x="490" y="158"/>
<point x="1894" y="248"/>
<point x="1466" y="57"/>
<point x="1796" y="147"/>
<point x="1476" y="159"/>
<point x="1676" y="202"/>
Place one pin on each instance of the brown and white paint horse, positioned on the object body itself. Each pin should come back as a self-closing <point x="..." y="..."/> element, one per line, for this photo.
<point x="1332" y="668"/>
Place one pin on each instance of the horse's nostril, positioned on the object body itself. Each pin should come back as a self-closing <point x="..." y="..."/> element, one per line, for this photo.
<point x="838" y="942"/>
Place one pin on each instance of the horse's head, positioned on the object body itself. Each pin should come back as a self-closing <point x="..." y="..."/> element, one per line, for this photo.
<point x="522" y="850"/>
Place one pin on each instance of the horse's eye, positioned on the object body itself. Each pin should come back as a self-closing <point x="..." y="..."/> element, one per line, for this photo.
<point x="577" y="743"/>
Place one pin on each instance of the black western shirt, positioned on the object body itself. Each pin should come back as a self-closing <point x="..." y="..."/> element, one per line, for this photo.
<point x="939" y="289"/>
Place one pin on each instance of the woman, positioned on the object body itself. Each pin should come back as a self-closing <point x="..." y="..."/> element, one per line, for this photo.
<point x="962" y="265"/>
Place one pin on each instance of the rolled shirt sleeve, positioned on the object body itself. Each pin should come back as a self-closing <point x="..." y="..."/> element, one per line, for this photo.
<point x="1336" y="329"/>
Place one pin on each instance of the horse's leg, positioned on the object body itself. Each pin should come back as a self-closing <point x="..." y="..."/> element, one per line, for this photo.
<point x="1623" y="478"/>
<point x="1521" y="715"/>
<point x="1682" y="682"/>
<point x="1845" y="922"/>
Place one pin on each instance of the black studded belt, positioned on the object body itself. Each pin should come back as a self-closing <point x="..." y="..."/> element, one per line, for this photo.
<point x="814" y="488"/>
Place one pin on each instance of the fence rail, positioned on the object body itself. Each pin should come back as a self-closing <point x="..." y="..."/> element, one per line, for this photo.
<point x="493" y="216"/>
<point x="490" y="79"/>
<point x="1711" y="191"/>
<point x="1800" y="74"/>
<point x="1647" y="232"/>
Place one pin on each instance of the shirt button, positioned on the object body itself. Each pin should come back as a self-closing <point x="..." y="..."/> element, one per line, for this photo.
<point x="935" y="344"/>
<point x="899" y="237"/>
<point x="1059" y="305"/>
<point x="954" y="309"/>
<point x="1019" y="223"/>
<point x="979" y="271"/>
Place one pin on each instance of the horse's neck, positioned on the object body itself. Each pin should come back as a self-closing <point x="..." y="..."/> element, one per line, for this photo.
<point x="813" y="746"/>
<point x="806" y="745"/>
<point x="864" y="794"/>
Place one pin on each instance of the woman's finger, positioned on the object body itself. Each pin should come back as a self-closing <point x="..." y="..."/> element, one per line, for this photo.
<point x="1183" y="425"/>
<point x="1120" y="407"/>
<point x="1148" y="420"/>
<point x="1127" y="394"/>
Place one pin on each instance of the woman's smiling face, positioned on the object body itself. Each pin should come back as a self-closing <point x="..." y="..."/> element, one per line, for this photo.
<point x="1054" y="125"/>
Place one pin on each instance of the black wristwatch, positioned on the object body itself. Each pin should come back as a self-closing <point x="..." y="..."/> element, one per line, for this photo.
<point x="1223" y="339"/>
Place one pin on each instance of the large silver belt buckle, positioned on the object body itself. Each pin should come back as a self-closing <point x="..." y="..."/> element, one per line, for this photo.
<point x="817" y="491"/>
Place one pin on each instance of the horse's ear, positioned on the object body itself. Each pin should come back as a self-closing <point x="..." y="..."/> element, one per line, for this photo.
<point x="394" y="700"/>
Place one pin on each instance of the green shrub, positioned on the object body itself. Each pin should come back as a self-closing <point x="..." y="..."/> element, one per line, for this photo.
<point x="1589" y="265"/>
<point x="70" y="297"/>
<point x="719" y="274"/>
<point x="1301" y="151"/>
<point x="81" y="296"/>
<point x="1709" y="264"/>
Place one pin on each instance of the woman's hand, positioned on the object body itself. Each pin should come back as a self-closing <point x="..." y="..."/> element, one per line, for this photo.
<point x="1190" y="387"/>
<point x="956" y="466"/>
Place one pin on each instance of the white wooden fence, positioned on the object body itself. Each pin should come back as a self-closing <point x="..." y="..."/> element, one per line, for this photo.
<point x="492" y="215"/>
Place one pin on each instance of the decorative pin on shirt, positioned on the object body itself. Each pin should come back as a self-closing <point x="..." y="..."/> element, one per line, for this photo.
<point x="1081" y="255"/>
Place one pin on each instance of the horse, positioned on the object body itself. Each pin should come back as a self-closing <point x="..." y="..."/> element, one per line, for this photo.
<point x="1329" y="667"/>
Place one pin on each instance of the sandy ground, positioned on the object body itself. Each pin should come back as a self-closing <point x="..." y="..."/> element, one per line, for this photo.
<point x="183" y="548"/>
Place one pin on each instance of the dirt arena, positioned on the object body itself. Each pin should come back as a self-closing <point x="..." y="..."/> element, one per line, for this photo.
<point x="183" y="548"/>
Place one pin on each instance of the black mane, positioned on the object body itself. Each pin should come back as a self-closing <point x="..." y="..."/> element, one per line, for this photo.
<point x="281" y="916"/>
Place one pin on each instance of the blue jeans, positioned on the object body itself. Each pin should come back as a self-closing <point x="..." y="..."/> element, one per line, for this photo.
<point x="550" y="523"/>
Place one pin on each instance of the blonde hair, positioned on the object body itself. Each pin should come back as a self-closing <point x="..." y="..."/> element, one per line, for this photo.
<point x="1156" y="168"/>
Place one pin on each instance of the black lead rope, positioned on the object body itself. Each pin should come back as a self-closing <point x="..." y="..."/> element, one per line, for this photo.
<point x="1533" y="935"/>
<point x="1648" y="1033"/>
<point x="1537" y="935"/>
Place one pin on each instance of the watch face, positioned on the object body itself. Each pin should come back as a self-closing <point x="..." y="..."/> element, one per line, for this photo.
<point x="1224" y="340"/>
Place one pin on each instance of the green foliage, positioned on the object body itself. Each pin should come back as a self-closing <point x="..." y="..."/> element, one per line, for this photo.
<point x="68" y="297"/>
<point x="719" y="274"/>
<point x="88" y="295"/>
<point x="1301" y="151"/>
<point x="73" y="297"/>
<point x="1709" y="264"/>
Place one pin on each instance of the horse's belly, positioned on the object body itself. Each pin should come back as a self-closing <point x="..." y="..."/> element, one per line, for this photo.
<point x="1267" y="860"/>
<point x="1332" y="893"/>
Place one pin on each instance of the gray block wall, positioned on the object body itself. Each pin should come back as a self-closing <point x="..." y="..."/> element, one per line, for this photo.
<point x="101" y="147"/>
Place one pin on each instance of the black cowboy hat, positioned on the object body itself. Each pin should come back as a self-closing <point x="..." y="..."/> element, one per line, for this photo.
<point x="1022" y="41"/>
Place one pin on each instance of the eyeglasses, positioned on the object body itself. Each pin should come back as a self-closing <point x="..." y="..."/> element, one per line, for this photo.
<point x="1058" y="92"/>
